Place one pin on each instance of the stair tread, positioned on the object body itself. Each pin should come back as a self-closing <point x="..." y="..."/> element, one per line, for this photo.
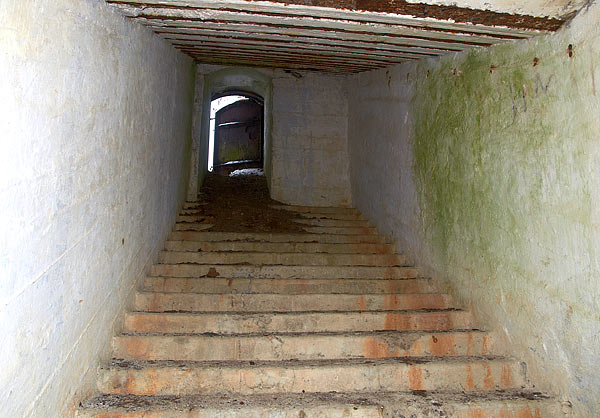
<point x="385" y="334"/>
<point x="301" y="334"/>
<point x="332" y="404"/>
<point x="121" y="364"/>
<point x="263" y="313"/>
<point x="305" y="295"/>
<point x="136" y="402"/>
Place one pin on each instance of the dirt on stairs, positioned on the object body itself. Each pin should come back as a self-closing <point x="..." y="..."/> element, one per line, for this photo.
<point x="259" y="309"/>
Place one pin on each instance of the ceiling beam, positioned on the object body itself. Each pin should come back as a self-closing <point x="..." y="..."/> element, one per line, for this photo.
<point x="388" y="60"/>
<point x="322" y="33"/>
<point x="181" y="39"/>
<point x="411" y="15"/>
<point x="312" y="42"/>
<point x="291" y="55"/>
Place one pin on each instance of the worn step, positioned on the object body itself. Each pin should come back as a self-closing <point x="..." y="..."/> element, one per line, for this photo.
<point x="288" y="286"/>
<point x="257" y="258"/>
<point x="357" y="223"/>
<point x="339" y="216"/>
<point x="193" y="205"/>
<point x="276" y="237"/>
<point x="421" y="373"/>
<point x="193" y="302"/>
<point x="281" y="247"/>
<point x="285" y="272"/>
<point x="506" y="404"/>
<point x="342" y="230"/>
<point x="286" y="322"/>
<point x="201" y="212"/>
<point x="266" y="347"/>
<point x="201" y="226"/>
<point x="317" y="209"/>
<point x="188" y="226"/>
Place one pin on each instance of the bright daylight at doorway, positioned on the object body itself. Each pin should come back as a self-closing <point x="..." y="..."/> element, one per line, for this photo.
<point x="236" y="133"/>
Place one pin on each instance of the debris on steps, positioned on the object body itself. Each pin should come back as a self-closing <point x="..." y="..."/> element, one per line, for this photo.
<point x="257" y="309"/>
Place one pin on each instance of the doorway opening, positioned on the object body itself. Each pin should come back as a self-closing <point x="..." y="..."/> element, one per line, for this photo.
<point x="236" y="135"/>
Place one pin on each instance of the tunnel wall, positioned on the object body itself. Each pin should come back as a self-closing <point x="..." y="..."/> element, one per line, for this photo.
<point x="94" y="150"/>
<point x="310" y="148"/>
<point x="484" y="167"/>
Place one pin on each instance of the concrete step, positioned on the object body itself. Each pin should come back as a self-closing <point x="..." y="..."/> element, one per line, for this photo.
<point x="506" y="404"/>
<point x="278" y="347"/>
<point x="282" y="247"/>
<point x="195" y="219"/>
<point x="355" y="223"/>
<point x="422" y="373"/>
<point x="283" y="272"/>
<point x="201" y="226"/>
<point x="194" y="302"/>
<point x="193" y="205"/>
<point x="286" y="322"/>
<point x="340" y="216"/>
<point x="190" y="217"/>
<point x="201" y="211"/>
<point x="300" y="259"/>
<point x="342" y="230"/>
<point x="317" y="209"/>
<point x="192" y="212"/>
<point x="276" y="237"/>
<point x="288" y="286"/>
<point x="186" y="226"/>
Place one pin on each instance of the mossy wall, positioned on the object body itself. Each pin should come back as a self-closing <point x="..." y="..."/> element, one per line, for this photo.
<point x="502" y="193"/>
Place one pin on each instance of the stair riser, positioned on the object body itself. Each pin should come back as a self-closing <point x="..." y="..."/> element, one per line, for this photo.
<point x="288" y="286"/>
<point x="199" y="212"/>
<point x="282" y="247"/>
<point x="177" y="257"/>
<point x="438" y="376"/>
<point x="510" y="409"/>
<point x="192" y="226"/>
<point x="193" y="205"/>
<point x="355" y="223"/>
<point x="325" y="411"/>
<point x="161" y="302"/>
<point x="305" y="347"/>
<point x="339" y="230"/>
<point x="334" y="216"/>
<point x="226" y="323"/>
<point x="317" y="210"/>
<point x="285" y="272"/>
<point x="275" y="238"/>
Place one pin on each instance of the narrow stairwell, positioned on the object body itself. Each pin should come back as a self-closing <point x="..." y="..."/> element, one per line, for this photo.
<point x="329" y="322"/>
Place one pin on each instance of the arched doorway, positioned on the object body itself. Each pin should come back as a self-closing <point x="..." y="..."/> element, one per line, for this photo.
<point x="236" y="138"/>
<point x="228" y="81"/>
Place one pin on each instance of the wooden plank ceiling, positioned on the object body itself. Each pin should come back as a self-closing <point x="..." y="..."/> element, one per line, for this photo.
<point x="342" y="36"/>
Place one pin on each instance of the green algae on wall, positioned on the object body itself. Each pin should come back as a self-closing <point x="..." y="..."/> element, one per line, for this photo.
<point x="506" y="148"/>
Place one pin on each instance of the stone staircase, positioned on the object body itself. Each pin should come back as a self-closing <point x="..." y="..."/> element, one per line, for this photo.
<point x="326" y="323"/>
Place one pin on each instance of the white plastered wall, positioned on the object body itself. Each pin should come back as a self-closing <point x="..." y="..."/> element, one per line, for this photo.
<point x="94" y="158"/>
<point x="483" y="165"/>
<point x="310" y="144"/>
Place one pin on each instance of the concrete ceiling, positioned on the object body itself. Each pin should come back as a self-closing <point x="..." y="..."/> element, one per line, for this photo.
<point x="340" y="36"/>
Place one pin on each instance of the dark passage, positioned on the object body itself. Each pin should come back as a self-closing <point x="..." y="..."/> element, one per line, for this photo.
<point x="239" y="135"/>
<point x="242" y="203"/>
